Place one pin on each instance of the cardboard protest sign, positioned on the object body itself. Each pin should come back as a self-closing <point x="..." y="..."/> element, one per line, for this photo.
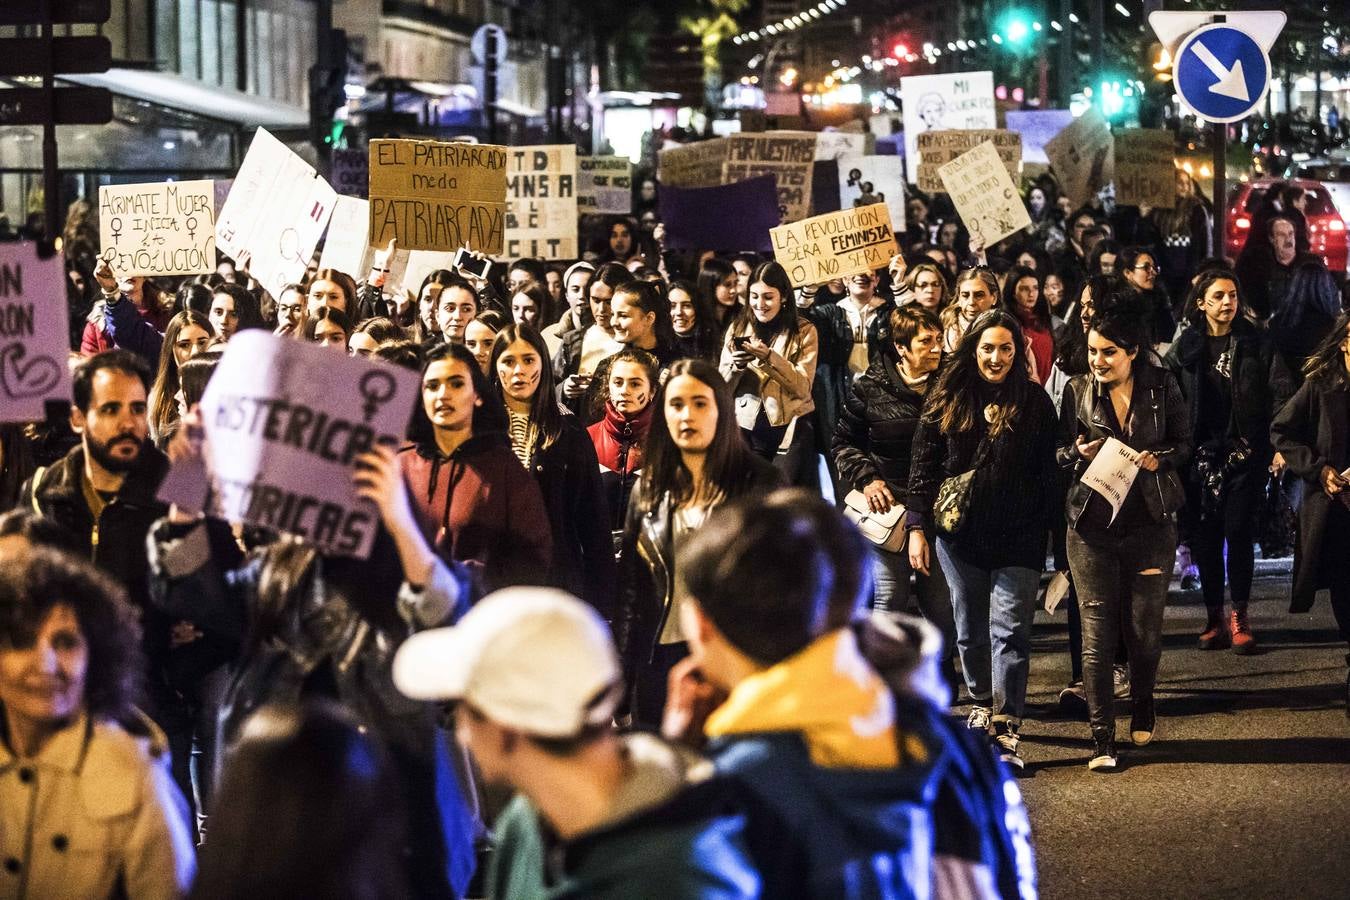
<point x="1146" y="168"/>
<point x="689" y="226"/>
<point x="168" y="228"/>
<point x="284" y="421"/>
<point x="984" y="195"/>
<point x="864" y="180"/>
<point x="1112" y="472"/>
<point x="1082" y="158"/>
<point x="347" y="247"/>
<point x="1037" y="127"/>
<point x="937" y="148"/>
<point x="541" y="202"/>
<point x="696" y="165"/>
<point x="786" y="155"/>
<point x="604" y="184"/>
<point x="835" y="245"/>
<point x="34" y="333"/>
<point x="944" y="102"/>
<point x="437" y="195"/>
<point x="277" y="208"/>
<point x="840" y="144"/>
<point x="350" y="172"/>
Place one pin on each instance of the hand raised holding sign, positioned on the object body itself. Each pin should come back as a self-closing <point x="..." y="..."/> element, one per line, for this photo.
<point x="106" y="278"/>
<point x="379" y="268"/>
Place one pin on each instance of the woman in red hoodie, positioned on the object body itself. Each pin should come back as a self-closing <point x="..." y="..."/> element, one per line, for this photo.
<point x="472" y="497"/>
<point x="1023" y="297"/>
<point x="620" y="432"/>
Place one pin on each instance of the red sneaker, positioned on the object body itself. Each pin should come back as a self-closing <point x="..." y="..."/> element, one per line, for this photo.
<point x="1216" y="635"/>
<point x="1244" y="642"/>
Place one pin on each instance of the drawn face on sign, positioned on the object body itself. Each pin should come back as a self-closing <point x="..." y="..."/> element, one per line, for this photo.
<point x="932" y="108"/>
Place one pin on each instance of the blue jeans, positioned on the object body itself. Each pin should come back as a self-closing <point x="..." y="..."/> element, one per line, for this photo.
<point x="929" y="597"/>
<point x="994" y="609"/>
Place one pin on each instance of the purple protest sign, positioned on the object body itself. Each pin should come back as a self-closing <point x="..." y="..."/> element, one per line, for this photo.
<point x="726" y="218"/>
<point x="34" y="337"/>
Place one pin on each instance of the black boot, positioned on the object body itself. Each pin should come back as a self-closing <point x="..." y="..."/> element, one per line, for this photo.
<point x="1143" y="721"/>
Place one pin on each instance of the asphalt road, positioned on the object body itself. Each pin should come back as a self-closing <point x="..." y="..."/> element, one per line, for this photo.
<point x="1244" y="793"/>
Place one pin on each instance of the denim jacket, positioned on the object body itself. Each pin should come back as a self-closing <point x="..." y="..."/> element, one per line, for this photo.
<point x="1160" y="423"/>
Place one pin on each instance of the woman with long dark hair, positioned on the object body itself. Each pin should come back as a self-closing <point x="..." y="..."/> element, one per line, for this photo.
<point x="694" y="321"/>
<point x="1121" y="557"/>
<point x="427" y="328"/>
<point x="621" y="426"/>
<point x="234" y="309"/>
<point x="1024" y="297"/>
<point x="327" y="327"/>
<point x="1223" y="363"/>
<point x="189" y="333"/>
<point x="769" y="358"/>
<point x="983" y="472"/>
<point x="976" y="292"/>
<point x="1312" y="432"/>
<point x="695" y="461"/>
<point x="555" y="449"/>
<point x="717" y="287"/>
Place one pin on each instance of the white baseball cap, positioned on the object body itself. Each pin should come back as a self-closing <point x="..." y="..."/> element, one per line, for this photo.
<point x="536" y="659"/>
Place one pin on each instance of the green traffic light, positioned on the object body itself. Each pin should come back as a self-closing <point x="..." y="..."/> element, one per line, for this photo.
<point x="1018" y="30"/>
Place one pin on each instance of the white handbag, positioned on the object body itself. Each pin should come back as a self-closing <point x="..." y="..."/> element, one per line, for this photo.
<point x="886" y="529"/>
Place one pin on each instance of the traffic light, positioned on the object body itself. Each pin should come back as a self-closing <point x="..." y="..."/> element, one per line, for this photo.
<point x="900" y="50"/>
<point x="1015" y="25"/>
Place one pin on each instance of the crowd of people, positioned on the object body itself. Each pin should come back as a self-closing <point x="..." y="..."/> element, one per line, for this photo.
<point x="692" y="562"/>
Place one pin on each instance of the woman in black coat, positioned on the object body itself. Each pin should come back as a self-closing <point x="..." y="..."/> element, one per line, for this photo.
<point x="1223" y="364"/>
<point x="871" y="449"/>
<point x="1312" y="432"/>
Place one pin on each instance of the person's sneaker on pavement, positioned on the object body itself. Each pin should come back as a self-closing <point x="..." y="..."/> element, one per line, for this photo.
<point x="1104" y="756"/>
<point x="1120" y="681"/>
<point x="979" y="718"/>
<point x="1244" y="642"/>
<point x="1143" y="722"/>
<point x="1216" y="635"/>
<point x="1006" y="743"/>
<point x="1073" y="701"/>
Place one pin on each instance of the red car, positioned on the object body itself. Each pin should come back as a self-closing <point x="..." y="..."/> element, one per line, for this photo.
<point x="1326" y="228"/>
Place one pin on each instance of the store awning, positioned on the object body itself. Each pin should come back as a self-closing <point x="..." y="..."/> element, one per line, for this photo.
<point x="176" y="92"/>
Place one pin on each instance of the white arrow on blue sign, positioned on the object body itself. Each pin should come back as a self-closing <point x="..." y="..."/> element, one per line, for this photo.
<point x="1221" y="72"/>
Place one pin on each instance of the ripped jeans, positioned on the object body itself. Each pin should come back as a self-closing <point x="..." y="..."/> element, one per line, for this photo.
<point x="1115" y="593"/>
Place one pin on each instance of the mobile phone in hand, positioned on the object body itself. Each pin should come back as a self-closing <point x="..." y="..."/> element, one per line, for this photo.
<point x="471" y="263"/>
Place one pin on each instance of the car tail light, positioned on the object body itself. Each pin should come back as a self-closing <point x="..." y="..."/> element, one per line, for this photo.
<point x="1242" y="223"/>
<point x="1335" y="225"/>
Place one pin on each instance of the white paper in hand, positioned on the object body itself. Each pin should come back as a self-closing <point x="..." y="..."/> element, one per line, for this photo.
<point x="1111" y="473"/>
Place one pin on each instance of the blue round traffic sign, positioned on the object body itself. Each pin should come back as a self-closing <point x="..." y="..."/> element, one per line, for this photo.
<point x="1221" y="73"/>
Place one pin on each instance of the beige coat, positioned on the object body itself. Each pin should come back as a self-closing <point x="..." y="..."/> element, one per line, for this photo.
<point x="94" y="808"/>
<point x="785" y="377"/>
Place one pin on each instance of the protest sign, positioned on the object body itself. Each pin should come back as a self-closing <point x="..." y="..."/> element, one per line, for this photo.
<point x="864" y="180"/>
<point x="696" y="165"/>
<point x="839" y="144"/>
<point x="541" y="202"/>
<point x="786" y="155"/>
<point x="684" y="212"/>
<point x="437" y="195"/>
<point x="937" y="148"/>
<point x="167" y="228"/>
<point x="944" y="102"/>
<point x="284" y="421"/>
<point x="984" y="195"/>
<point x="347" y="247"/>
<point x="604" y="184"/>
<point x="351" y="172"/>
<point x="835" y="245"/>
<point x="1037" y="127"/>
<point x="1146" y="172"/>
<point x="1112" y="472"/>
<point x="421" y="263"/>
<point x="34" y="333"/>
<point x="1081" y="157"/>
<point x="277" y="208"/>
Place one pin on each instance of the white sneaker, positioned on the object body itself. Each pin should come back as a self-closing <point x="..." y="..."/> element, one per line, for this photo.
<point x="1006" y="742"/>
<point x="979" y="719"/>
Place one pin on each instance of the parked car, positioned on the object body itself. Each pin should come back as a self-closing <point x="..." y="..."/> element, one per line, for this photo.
<point x="1326" y="227"/>
<point x="1333" y="171"/>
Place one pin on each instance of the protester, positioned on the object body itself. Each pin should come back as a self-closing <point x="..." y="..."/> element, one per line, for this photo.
<point x="983" y="473"/>
<point x="488" y="512"/>
<point x="694" y="322"/>
<point x="1311" y="433"/>
<point x="293" y="765"/>
<point x="1223" y="364"/>
<point x="582" y="351"/>
<point x="233" y="309"/>
<point x="1121" y="553"/>
<point x="620" y="430"/>
<point x="537" y="683"/>
<point x="576" y="316"/>
<point x="126" y="321"/>
<point x="1023" y="297"/>
<point x="695" y="460"/>
<point x="923" y="284"/>
<point x="456" y="306"/>
<point x="427" y="330"/>
<point x="366" y="337"/>
<point x="640" y="319"/>
<point x="331" y="289"/>
<point x="87" y="804"/>
<point x="188" y="334"/>
<point x="976" y="292"/>
<point x="1140" y="271"/>
<point x="859" y="785"/>
<point x="718" y="288"/>
<point x="769" y="359"/>
<point x="530" y="305"/>
<point x="290" y="309"/>
<point x="328" y="327"/>
<point x="480" y="335"/>
<point x="557" y="451"/>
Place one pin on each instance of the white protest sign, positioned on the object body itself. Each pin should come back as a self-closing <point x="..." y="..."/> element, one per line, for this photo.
<point x="942" y="102"/>
<point x="604" y="184"/>
<point x="276" y="211"/>
<point x="422" y="263"/>
<point x="984" y="194"/>
<point x="34" y="336"/>
<point x="541" y="202"/>
<point x="1112" y="472"/>
<point x="835" y="245"/>
<point x="864" y="180"/>
<point x="167" y="228"/>
<point x="840" y="144"/>
<point x="284" y="421"/>
<point x="347" y="247"/>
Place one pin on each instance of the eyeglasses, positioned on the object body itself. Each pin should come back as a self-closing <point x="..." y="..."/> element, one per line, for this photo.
<point x="1148" y="267"/>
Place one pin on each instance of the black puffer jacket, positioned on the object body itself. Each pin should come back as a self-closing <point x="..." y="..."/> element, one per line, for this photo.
<point x="875" y="433"/>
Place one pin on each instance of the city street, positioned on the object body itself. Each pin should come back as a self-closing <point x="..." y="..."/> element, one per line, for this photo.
<point x="1246" y="791"/>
